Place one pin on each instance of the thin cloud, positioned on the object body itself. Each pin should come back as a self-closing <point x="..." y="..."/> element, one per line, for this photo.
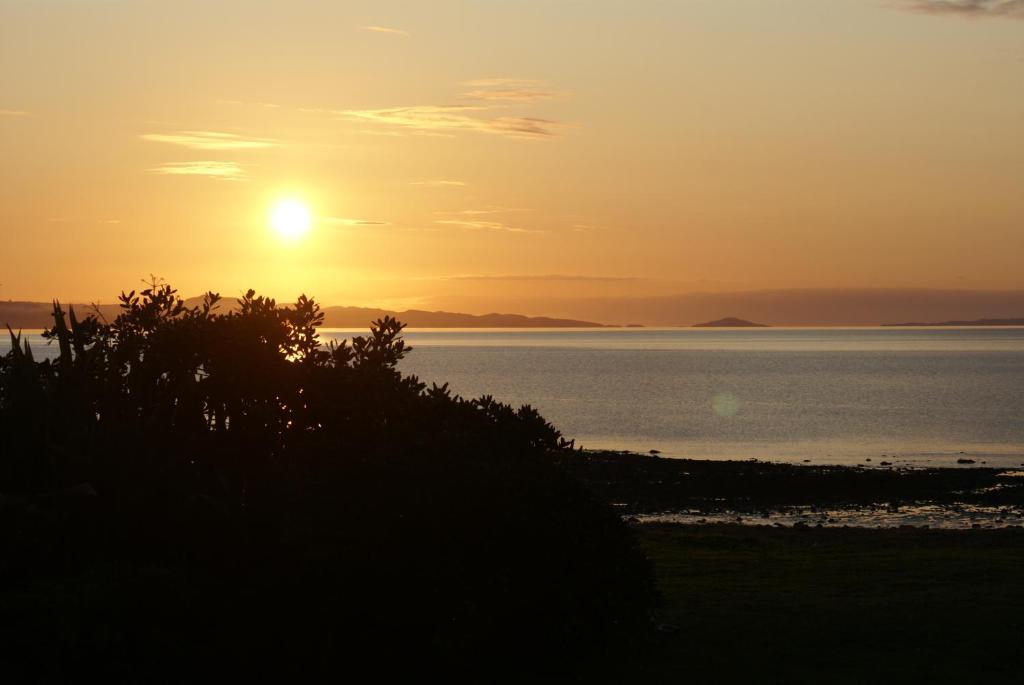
<point x="225" y="171"/>
<point x="508" y="90"/>
<point x="13" y="113"/>
<point x="385" y="29"/>
<point x="511" y="95"/>
<point x="968" y="8"/>
<point x="79" y="220"/>
<point x="441" y="119"/>
<point x="440" y="183"/>
<point x="546" y="277"/>
<point x="485" y="210"/>
<point x="210" y="140"/>
<point x="484" y="226"/>
<point x="339" y="221"/>
<point x="505" y="82"/>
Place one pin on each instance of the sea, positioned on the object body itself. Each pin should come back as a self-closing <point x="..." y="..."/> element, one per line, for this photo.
<point x="904" y="396"/>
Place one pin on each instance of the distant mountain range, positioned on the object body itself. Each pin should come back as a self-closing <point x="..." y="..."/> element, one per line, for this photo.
<point x="38" y="315"/>
<point x="360" y="317"/>
<point x="789" y="307"/>
<point x="811" y="307"/>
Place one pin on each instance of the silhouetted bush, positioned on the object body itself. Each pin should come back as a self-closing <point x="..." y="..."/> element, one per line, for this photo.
<point x="187" y="491"/>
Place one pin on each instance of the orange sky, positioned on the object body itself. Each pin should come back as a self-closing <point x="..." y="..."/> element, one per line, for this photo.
<point x="480" y="152"/>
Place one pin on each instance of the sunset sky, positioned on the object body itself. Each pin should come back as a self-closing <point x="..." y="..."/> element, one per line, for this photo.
<point x="481" y="154"/>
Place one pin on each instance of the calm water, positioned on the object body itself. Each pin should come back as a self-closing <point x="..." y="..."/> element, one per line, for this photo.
<point x="907" y="396"/>
<point x="916" y="396"/>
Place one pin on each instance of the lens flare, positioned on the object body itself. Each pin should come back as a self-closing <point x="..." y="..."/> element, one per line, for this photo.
<point x="725" y="404"/>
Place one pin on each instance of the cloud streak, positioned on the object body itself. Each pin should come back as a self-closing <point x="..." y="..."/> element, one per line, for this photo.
<point x="385" y="29"/>
<point x="209" y="140"/>
<point x="439" y="183"/>
<point x="224" y="171"/>
<point x="446" y="119"/>
<point x="503" y="82"/>
<point x="339" y="221"/>
<point x="484" y="226"/>
<point x="546" y="277"/>
<point x="484" y="210"/>
<point x="968" y="8"/>
<point x="511" y="95"/>
<point x="508" y="90"/>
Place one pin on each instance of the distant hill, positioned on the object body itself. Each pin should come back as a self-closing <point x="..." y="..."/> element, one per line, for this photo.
<point x="976" y="322"/>
<point x="793" y="307"/>
<point x="730" y="322"/>
<point x="359" y="317"/>
<point x="37" y="315"/>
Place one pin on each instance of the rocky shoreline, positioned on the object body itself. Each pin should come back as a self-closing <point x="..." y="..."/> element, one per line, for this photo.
<point x="651" y="488"/>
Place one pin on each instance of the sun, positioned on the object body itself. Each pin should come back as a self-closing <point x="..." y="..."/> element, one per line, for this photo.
<point x="290" y="218"/>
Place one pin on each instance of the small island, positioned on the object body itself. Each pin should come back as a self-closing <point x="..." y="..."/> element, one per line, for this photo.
<point x="730" y="322"/>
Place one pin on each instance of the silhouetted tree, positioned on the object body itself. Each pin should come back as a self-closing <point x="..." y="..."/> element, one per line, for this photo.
<point x="185" y="487"/>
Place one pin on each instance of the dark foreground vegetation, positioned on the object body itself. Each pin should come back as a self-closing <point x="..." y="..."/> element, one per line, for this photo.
<point x="767" y="605"/>
<point x="188" y="494"/>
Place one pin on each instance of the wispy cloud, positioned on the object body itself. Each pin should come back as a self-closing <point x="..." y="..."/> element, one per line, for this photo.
<point x="508" y="90"/>
<point x="545" y="277"/>
<point x="385" y="29"/>
<point x="225" y="171"/>
<point x="210" y="140"/>
<point x="78" y="220"/>
<point x="439" y="183"/>
<point x="504" y="82"/>
<point x="482" y="211"/>
<point x="968" y="8"/>
<point x="13" y="113"/>
<point x="339" y="221"/>
<point x="454" y="118"/>
<point x="511" y="95"/>
<point x="484" y="226"/>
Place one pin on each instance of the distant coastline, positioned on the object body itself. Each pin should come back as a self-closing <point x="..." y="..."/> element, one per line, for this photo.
<point x="29" y="315"/>
<point x="976" y="322"/>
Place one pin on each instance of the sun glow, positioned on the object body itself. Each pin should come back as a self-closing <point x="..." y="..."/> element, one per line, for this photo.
<point x="290" y="219"/>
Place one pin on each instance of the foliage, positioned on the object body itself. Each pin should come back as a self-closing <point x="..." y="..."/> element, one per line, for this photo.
<point x="221" y="485"/>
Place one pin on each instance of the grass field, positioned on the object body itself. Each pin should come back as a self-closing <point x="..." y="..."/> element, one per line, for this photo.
<point x="763" y="604"/>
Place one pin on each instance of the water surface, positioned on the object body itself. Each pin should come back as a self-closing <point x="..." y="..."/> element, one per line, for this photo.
<point x="905" y="396"/>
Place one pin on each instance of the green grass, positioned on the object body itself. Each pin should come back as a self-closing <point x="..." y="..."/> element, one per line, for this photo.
<point x="836" y="605"/>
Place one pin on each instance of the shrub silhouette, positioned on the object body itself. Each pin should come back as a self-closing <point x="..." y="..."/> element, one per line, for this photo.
<point x="190" y="489"/>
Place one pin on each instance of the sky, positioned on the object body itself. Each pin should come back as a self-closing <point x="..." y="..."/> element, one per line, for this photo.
<point x="481" y="155"/>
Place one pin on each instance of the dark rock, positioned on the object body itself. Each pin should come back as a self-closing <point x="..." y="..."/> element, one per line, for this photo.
<point x="666" y="628"/>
